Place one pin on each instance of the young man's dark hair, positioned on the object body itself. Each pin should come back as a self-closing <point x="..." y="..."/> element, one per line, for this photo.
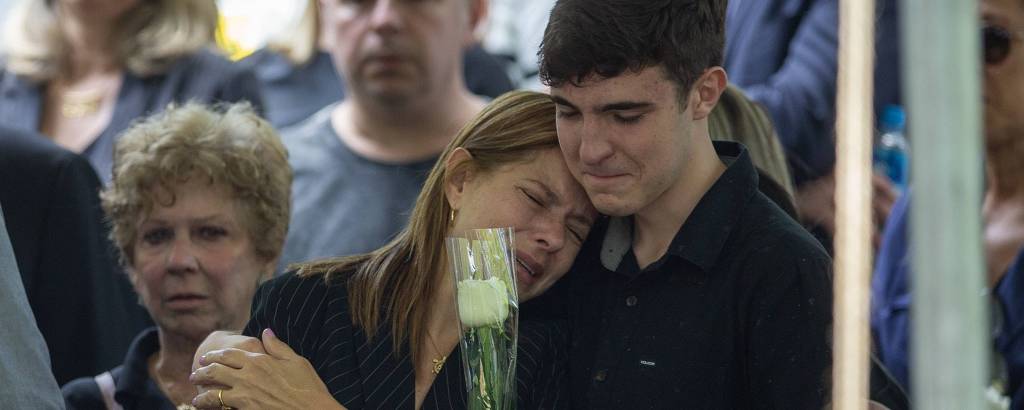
<point x="607" y="38"/>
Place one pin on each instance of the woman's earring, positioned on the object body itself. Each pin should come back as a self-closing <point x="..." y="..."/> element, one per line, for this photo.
<point x="451" y="217"/>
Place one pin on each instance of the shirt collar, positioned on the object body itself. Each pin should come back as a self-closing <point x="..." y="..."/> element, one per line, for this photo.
<point x="135" y="371"/>
<point x="703" y="235"/>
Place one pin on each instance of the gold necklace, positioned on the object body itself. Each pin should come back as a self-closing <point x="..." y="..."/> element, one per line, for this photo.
<point x="83" y="101"/>
<point x="166" y="387"/>
<point x="438" y="363"/>
<point x="78" y="104"/>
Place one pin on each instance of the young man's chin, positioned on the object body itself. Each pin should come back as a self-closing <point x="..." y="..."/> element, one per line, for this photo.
<point x="612" y="205"/>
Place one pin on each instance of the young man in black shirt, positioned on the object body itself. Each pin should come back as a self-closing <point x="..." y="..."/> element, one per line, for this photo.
<point x="697" y="292"/>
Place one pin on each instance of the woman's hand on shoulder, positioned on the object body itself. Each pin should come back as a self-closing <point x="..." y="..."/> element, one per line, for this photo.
<point x="277" y="379"/>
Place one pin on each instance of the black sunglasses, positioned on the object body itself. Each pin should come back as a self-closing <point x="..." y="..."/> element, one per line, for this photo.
<point x="996" y="42"/>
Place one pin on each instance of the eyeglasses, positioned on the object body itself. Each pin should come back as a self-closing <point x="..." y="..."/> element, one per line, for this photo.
<point x="996" y="42"/>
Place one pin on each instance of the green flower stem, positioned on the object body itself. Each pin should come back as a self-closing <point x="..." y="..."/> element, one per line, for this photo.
<point x="483" y="265"/>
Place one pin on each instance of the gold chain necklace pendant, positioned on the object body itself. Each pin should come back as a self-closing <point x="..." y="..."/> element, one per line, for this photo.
<point x="438" y="364"/>
<point x="78" y="104"/>
<point x="79" y="109"/>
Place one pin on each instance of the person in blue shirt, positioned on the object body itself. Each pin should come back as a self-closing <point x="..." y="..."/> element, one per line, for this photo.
<point x="782" y="53"/>
<point x="1002" y="207"/>
<point x="1010" y="325"/>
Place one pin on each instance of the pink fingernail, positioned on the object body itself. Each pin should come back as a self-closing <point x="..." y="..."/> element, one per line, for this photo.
<point x="202" y="360"/>
<point x="269" y="332"/>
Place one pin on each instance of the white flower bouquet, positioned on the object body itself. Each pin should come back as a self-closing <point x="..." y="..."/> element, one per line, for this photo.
<point x="488" y="305"/>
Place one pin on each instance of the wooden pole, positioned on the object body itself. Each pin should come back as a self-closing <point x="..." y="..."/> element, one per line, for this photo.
<point x="854" y="131"/>
<point x="950" y="332"/>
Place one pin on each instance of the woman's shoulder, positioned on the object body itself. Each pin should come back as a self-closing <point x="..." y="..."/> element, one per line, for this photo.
<point x="207" y="76"/>
<point x="11" y="81"/>
<point x="312" y="280"/>
<point x="209" y="62"/>
<point x="292" y="291"/>
<point x="84" y="393"/>
<point x="299" y="303"/>
<point x="267" y="64"/>
<point x="308" y="312"/>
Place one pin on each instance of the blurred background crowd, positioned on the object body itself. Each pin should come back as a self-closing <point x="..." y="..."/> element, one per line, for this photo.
<point x="72" y="82"/>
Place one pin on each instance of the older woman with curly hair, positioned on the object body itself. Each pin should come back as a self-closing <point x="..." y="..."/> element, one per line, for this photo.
<point x="199" y="205"/>
<point x="79" y="72"/>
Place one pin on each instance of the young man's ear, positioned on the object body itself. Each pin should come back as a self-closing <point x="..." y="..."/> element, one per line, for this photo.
<point x="707" y="90"/>
<point x="458" y="172"/>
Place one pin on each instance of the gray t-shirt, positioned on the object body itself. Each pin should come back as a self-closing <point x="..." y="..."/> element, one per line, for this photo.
<point x="342" y="203"/>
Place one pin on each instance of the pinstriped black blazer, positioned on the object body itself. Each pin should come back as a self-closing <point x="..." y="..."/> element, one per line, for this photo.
<point x="313" y="318"/>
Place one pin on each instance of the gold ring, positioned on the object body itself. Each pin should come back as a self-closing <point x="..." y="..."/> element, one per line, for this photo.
<point x="220" y="398"/>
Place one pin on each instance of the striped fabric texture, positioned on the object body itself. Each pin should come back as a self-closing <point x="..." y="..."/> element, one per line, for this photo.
<point x="313" y="318"/>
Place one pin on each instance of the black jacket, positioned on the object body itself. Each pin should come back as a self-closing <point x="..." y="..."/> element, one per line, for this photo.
<point x="313" y="318"/>
<point x="82" y="302"/>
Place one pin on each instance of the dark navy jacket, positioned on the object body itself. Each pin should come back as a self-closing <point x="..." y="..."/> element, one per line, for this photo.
<point x="82" y="302"/>
<point x="202" y="77"/>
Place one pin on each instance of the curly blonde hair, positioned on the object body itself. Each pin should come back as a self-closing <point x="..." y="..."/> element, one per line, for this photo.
<point x="150" y="37"/>
<point x="229" y="145"/>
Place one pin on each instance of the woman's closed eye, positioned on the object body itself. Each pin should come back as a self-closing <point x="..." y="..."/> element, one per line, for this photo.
<point x="576" y="234"/>
<point x="532" y="197"/>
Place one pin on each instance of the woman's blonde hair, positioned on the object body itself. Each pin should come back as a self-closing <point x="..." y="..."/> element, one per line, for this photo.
<point x="230" y="146"/>
<point x="394" y="284"/>
<point x="149" y="38"/>
<point x="299" y="43"/>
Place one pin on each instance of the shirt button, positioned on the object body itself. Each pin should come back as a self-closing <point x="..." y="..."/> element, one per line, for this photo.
<point x="631" y="301"/>
<point x="601" y="375"/>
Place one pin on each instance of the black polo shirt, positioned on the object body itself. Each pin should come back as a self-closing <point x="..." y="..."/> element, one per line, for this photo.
<point x="735" y="315"/>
